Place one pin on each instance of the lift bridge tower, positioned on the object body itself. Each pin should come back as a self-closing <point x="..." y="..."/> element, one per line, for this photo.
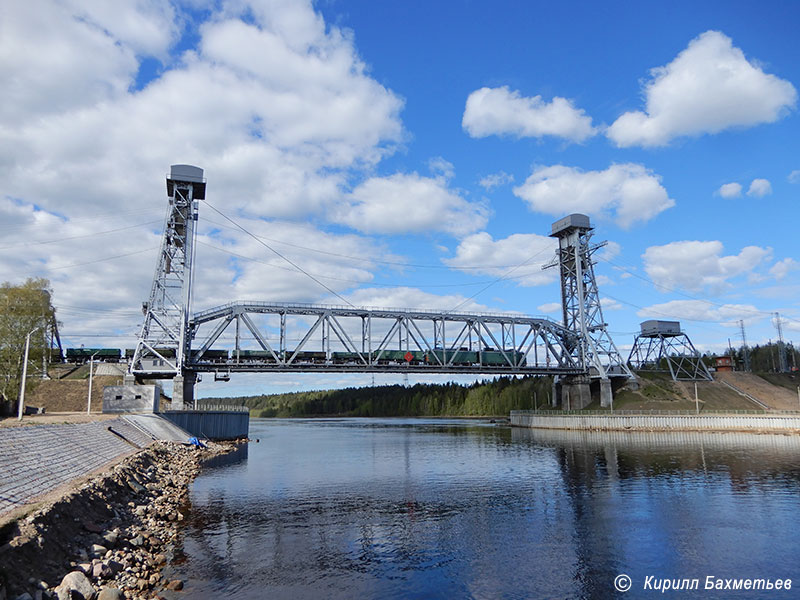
<point x="162" y="350"/>
<point x="583" y="315"/>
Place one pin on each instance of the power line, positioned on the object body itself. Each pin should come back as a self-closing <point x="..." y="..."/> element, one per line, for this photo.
<point x="76" y="237"/>
<point x="256" y="238"/>
<point x="389" y="285"/>
<point x="373" y="260"/>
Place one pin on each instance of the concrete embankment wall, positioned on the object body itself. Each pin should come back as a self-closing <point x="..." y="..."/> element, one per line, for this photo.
<point x="776" y="423"/>
<point x="214" y="425"/>
<point x="37" y="459"/>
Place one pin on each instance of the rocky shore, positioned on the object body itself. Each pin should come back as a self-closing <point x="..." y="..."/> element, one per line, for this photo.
<point x="111" y="537"/>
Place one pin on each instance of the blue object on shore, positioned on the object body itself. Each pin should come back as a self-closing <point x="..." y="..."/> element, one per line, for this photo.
<point x="196" y="442"/>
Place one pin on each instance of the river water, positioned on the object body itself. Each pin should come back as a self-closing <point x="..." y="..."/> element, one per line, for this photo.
<point x="415" y="508"/>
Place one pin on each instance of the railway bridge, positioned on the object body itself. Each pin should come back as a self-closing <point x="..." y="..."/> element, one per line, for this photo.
<point x="175" y="343"/>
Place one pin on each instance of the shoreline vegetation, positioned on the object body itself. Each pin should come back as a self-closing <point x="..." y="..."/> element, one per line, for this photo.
<point x="498" y="397"/>
<point x="109" y="538"/>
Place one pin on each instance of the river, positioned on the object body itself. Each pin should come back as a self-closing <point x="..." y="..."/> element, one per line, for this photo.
<point x="420" y="508"/>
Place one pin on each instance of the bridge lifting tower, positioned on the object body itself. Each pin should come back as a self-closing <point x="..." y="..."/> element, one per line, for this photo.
<point x="583" y="314"/>
<point x="162" y="349"/>
<point x="662" y="346"/>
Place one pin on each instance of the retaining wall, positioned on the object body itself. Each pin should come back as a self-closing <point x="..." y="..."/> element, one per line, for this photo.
<point x="781" y="423"/>
<point x="213" y="425"/>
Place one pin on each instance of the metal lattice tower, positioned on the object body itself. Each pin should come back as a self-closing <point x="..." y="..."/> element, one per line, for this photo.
<point x="662" y="346"/>
<point x="164" y="338"/>
<point x="580" y="299"/>
<point x="745" y="349"/>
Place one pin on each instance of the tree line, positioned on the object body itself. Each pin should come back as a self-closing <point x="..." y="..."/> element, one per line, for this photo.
<point x="488" y="398"/>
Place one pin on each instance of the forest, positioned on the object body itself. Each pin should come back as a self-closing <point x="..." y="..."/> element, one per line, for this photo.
<point x="495" y="397"/>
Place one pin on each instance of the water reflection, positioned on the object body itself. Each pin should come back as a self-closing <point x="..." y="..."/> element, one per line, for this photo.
<point x="418" y="508"/>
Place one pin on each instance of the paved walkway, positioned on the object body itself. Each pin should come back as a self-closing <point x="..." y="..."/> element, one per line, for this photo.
<point x="38" y="459"/>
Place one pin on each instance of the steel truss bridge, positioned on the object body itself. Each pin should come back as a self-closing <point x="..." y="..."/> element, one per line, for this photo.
<point x="336" y="338"/>
<point x="281" y="337"/>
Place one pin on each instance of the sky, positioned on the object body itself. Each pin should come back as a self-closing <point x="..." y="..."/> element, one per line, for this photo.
<point x="407" y="154"/>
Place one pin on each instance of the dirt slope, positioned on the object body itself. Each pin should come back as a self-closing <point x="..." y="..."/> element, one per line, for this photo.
<point x="776" y="397"/>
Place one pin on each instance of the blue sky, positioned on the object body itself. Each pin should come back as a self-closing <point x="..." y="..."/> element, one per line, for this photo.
<point x="444" y="136"/>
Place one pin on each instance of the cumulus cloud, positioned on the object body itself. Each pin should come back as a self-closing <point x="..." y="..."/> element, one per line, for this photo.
<point x="610" y="304"/>
<point x="759" y="188"/>
<point x="695" y="265"/>
<point x="479" y="253"/>
<point x="549" y="307"/>
<point x="700" y="310"/>
<point x="403" y="203"/>
<point x="501" y="111"/>
<point x="783" y="267"/>
<point x="494" y="180"/>
<point x="276" y="105"/>
<point x="273" y="103"/>
<point x="730" y="190"/>
<point x="709" y="87"/>
<point x="628" y="193"/>
<point x="794" y="176"/>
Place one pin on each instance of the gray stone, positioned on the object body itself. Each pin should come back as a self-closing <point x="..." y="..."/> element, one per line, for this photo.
<point x="98" y="550"/>
<point x="24" y="596"/>
<point x="137" y="541"/>
<point x="110" y="594"/>
<point x="101" y="571"/>
<point x="115" y="566"/>
<point x="111" y="538"/>
<point x="74" y="582"/>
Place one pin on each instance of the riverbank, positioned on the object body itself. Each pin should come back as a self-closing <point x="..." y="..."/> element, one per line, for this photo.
<point x="112" y="535"/>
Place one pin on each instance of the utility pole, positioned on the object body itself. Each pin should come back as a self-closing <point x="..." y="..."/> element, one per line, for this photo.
<point x="781" y="345"/>
<point x="20" y="408"/>
<point x="89" y="403"/>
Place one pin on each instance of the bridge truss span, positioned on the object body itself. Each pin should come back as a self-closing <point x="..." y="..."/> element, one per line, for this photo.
<point x="264" y="336"/>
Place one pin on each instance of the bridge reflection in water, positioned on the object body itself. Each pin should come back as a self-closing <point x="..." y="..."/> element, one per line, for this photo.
<point x="427" y="508"/>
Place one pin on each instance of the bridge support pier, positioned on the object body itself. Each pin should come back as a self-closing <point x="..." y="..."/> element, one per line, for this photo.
<point x="183" y="390"/>
<point x="606" y="393"/>
<point x="576" y="393"/>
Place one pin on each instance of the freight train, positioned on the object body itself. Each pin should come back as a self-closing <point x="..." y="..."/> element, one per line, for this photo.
<point x="461" y="357"/>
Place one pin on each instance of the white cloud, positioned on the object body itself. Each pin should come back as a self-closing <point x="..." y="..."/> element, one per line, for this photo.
<point x="500" y="111"/>
<point x="275" y="105"/>
<point x="610" y="304"/>
<point x="709" y="87"/>
<point x="403" y="203"/>
<point x="479" y="253"/>
<point x="279" y="110"/>
<point x="628" y="192"/>
<point x="783" y="267"/>
<point x="700" y="310"/>
<point x="549" y="308"/>
<point x="730" y="190"/>
<point x="609" y="251"/>
<point x="695" y="265"/>
<point x="759" y="188"/>
<point x="495" y="180"/>
<point x="794" y="176"/>
<point x="441" y="167"/>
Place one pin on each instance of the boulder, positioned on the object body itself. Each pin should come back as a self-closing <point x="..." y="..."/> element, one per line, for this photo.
<point x="110" y="594"/>
<point x="74" y="583"/>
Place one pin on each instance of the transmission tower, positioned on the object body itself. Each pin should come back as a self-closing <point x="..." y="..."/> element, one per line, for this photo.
<point x="581" y="302"/>
<point x="662" y="344"/>
<point x="745" y="349"/>
<point x="163" y="344"/>
<point x="783" y="364"/>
